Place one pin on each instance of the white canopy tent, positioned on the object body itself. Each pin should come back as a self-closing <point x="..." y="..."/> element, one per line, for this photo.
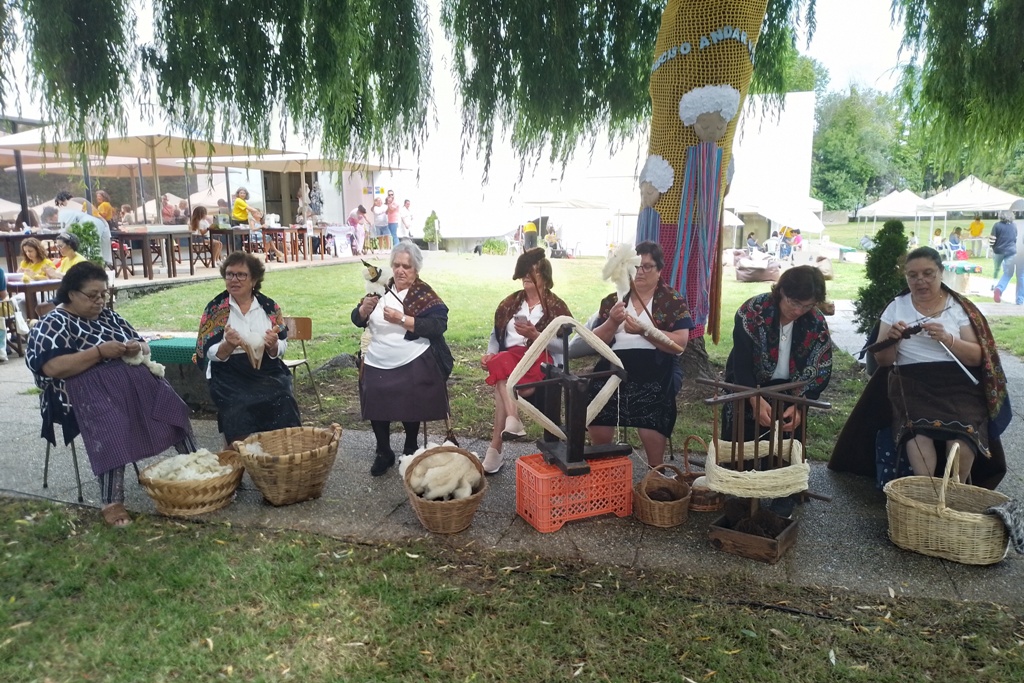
<point x="898" y="204"/>
<point x="970" y="194"/>
<point x="793" y="213"/>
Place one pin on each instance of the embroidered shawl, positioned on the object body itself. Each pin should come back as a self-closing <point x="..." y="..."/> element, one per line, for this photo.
<point x="756" y="339"/>
<point x="420" y="299"/>
<point x="215" y="317"/>
<point x="551" y="304"/>
<point x="669" y="311"/>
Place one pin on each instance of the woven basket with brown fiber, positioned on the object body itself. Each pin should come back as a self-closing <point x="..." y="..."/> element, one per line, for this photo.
<point x="661" y="502"/>
<point x="297" y="464"/>
<point x="702" y="499"/>
<point x="446" y="516"/>
<point x="944" y="518"/>
<point x="194" y="497"/>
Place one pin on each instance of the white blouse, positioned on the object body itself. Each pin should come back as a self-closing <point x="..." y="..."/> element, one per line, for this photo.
<point x="920" y="348"/>
<point x="389" y="348"/>
<point x="256" y="321"/>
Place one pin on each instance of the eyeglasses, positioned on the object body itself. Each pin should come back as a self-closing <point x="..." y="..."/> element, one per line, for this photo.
<point x="796" y="305"/>
<point x="926" y="276"/>
<point x="95" y="298"/>
<point x="239" y="277"/>
<point x="646" y="267"/>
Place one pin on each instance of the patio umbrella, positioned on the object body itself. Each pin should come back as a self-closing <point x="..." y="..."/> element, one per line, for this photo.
<point x="152" y="141"/>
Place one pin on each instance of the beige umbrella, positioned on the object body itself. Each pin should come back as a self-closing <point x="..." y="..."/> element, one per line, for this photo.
<point x="152" y="141"/>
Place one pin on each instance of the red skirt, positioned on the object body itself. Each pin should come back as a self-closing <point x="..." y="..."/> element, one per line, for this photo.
<point x="504" y="362"/>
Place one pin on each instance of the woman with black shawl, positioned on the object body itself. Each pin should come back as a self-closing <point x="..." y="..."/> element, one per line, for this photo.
<point x="242" y="338"/>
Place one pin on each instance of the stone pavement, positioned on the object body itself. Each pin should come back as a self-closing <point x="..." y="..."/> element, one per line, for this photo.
<point x="841" y="544"/>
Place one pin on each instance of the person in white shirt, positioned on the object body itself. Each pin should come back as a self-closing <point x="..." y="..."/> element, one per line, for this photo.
<point x="405" y="221"/>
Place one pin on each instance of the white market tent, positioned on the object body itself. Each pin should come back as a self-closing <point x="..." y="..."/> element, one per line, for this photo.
<point x="793" y="213"/>
<point x="898" y="204"/>
<point x="970" y="194"/>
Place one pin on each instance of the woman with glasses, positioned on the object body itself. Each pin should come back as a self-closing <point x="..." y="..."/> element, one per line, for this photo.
<point x="78" y="355"/>
<point x="67" y="243"/>
<point x="647" y="399"/>
<point x="241" y="329"/>
<point x="779" y="337"/>
<point x="518" y="321"/>
<point x="945" y="384"/>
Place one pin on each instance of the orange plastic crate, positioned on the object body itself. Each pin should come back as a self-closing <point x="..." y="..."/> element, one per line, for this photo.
<point x="547" y="498"/>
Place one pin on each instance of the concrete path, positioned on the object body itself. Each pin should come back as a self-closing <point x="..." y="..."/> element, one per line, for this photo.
<point x="841" y="544"/>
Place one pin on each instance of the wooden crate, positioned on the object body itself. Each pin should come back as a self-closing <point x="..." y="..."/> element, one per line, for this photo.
<point x="753" y="547"/>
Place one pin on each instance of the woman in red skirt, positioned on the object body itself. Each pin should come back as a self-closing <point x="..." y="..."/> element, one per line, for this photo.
<point x="518" y="321"/>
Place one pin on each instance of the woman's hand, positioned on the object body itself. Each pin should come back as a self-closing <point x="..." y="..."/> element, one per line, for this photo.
<point x="633" y="326"/>
<point x="116" y="349"/>
<point x="51" y="272"/>
<point x="762" y="409"/>
<point x="270" y="339"/>
<point x="393" y="315"/>
<point x="231" y="336"/>
<point x="617" y="314"/>
<point x="367" y="305"/>
<point x="937" y="332"/>
<point x="790" y="419"/>
<point x="896" y="331"/>
<point x="526" y="329"/>
<point x="485" y="359"/>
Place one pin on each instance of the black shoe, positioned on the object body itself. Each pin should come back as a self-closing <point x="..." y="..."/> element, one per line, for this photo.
<point x="382" y="463"/>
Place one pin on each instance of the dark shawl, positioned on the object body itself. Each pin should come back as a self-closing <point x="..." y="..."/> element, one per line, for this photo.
<point x="552" y="305"/>
<point x="755" y="352"/>
<point x="669" y="311"/>
<point x="855" y="448"/>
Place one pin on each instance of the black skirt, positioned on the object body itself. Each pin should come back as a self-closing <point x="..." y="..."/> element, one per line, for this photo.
<point x="250" y="400"/>
<point x="414" y="392"/>
<point x="647" y="399"/>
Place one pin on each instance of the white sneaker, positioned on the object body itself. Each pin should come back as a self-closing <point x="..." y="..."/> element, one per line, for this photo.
<point x="514" y="429"/>
<point x="492" y="462"/>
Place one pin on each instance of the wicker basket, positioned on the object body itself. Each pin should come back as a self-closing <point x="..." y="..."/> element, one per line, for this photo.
<point x="445" y="516"/>
<point x="659" y="513"/>
<point x="198" y="496"/>
<point x="298" y="463"/>
<point x="702" y="499"/>
<point x="943" y="518"/>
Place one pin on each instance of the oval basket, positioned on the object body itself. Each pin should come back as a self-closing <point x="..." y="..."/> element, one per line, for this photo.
<point x="664" y="514"/>
<point x="702" y="499"/>
<point x="197" y="496"/>
<point x="445" y="516"/>
<point x="943" y="518"/>
<point x="297" y="464"/>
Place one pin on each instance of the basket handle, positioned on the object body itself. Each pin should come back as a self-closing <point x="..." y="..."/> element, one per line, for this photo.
<point x="952" y="460"/>
<point x="661" y="468"/>
<point x="686" y="449"/>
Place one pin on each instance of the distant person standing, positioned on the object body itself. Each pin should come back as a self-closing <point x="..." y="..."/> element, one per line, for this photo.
<point x="975" y="230"/>
<point x="380" y="221"/>
<point x="1011" y="264"/>
<point x="1003" y="239"/>
<point x="394" y="211"/>
<point x="405" y="221"/>
<point x="529" y="236"/>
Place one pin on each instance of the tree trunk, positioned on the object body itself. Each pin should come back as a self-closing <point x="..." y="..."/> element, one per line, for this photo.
<point x="696" y="363"/>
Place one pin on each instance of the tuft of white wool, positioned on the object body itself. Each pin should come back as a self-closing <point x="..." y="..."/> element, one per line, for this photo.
<point x="145" y="359"/>
<point x="254" y="448"/>
<point x="658" y="172"/>
<point x="440" y="476"/>
<point x="196" y="466"/>
<point x="621" y="264"/>
<point x="723" y="99"/>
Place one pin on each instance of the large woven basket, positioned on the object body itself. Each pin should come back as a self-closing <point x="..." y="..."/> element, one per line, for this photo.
<point x="194" y="497"/>
<point x="702" y="499"/>
<point x="943" y="518"/>
<point x="446" y="516"/>
<point x="665" y="514"/>
<point x="297" y="464"/>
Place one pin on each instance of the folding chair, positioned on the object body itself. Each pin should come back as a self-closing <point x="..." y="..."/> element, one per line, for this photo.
<point x="301" y="330"/>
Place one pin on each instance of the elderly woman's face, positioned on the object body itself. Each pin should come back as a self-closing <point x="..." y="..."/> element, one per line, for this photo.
<point x="405" y="271"/>
<point x="924" y="277"/>
<point x="88" y="301"/>
<point x="64" y="247"/>
<point x="238" y="280"/>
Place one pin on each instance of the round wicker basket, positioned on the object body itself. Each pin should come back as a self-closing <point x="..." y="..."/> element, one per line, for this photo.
<point x="297" y="463"/>
<point x="664" y="514"/>
<point x="445" y="516"/>
<point x="702" y="499"/>
<point x="194" y="497"/>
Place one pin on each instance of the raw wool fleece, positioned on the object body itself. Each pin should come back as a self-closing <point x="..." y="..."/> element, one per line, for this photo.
<point x="144" y="359"/>
<point x="441" y="476"/>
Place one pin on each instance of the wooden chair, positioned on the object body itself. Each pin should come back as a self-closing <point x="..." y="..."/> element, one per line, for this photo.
<point x="202" y="252"/>
<point x="156" y="248"/>
<point x="301" y="330"/>
<point x="122" y="253"/>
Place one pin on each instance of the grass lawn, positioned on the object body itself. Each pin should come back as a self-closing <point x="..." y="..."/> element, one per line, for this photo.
<point x="168" y="601"/>
<point x="471" y="287"/>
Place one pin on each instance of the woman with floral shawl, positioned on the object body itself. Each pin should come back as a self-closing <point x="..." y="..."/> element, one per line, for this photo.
<point x="242" y="338"/>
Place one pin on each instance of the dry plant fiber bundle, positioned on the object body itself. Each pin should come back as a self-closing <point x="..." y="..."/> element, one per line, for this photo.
<point x="291" y="464"/>
<point x="944" y="518"/>
<point x="445" y="516"/>
<point x="187" y="498"/>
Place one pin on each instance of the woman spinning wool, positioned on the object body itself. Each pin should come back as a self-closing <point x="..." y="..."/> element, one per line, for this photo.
<point x="242" y="336"/>
<point x="81" y="355"/>
<point x="647" y="399"/>
<point x="938" y="342"/>
<point x="780" y="337"/>
<point x="518" y="321"/>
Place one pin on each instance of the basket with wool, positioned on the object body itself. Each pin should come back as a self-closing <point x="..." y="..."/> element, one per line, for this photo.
<point x="290" y="465"/>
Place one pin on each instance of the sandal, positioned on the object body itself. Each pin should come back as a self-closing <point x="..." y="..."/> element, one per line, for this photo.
<point x="115" y="515"/>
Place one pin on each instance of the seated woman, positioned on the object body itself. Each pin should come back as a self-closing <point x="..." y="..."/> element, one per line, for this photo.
<point x="778" y="337"/>
<point x="69" y="256"/>
<point x="244" y="215"/>
<point x="518" y="320"/>
<point x="407" y="363"/>
<point x="199" y="226"/>
<point x="647" y="399"/>
<point x="33" y="260"/>
<point x="922" y="394"/>
<point x="752" y="244"/>
<point x="123" y="411"/>
<point x="249" y="399"/>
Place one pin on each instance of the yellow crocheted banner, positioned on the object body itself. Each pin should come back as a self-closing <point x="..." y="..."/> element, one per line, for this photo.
<point x="700" y="42"/>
